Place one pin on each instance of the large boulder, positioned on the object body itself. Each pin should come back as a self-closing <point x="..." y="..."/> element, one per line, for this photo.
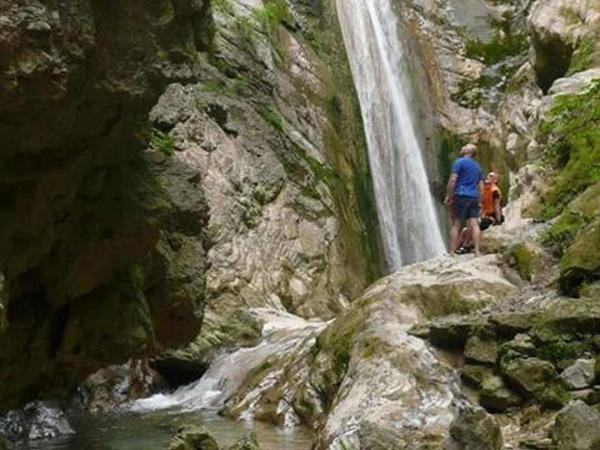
<point x="36" y="421"/>
<point x="193" y="438"/>
<point x="580" y="375"/>
<point x="557" y="28"/>
<point x="581" y="262"/>
<point x="496" y="396"/>
<point x="577" y="427"/>
<point x="475" y="429"/>
<point x="107" y="389"/>
<point x="249" y="442"/>
<point x="379" y="376"/>
<point x="536" y="378"/>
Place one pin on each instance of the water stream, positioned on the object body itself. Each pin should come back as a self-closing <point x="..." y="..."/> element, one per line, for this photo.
<point x="154" y="430"/>
<point x="151" y="423"/>
<point x="408" y="221"/>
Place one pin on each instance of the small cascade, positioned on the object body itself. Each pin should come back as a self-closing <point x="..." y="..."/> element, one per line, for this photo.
<point x="409" y="225"/>
<point x="282" y="334"/>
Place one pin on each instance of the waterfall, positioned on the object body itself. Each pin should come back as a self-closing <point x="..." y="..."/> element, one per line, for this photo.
<point x="410" y="230"/>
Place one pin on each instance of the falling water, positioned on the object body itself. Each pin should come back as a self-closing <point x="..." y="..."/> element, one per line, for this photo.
<point x="283" y="334"/>
<point x="408" y="222"/>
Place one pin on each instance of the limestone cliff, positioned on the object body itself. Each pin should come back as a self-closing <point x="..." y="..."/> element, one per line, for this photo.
<point x="254" y="181"/>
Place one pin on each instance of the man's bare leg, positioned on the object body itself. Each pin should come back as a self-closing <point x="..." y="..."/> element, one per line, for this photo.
<point x="475" y="234"/>
<point x="454" y="232"/>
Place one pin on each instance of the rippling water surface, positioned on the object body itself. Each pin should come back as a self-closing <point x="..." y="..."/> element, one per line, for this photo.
<point x="153" y="431"/>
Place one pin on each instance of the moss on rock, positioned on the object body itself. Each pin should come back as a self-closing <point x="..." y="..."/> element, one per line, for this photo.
<point x="581" y="262"/>
<point x="525" y="257"/>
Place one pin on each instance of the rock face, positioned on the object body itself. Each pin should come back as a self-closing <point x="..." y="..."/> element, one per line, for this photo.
<point x="253" y="189"/>
<point x="365" y="382"/>
<point x="104" y="391"/>
<point x="373" y="377"/>
<point x="577" y="427"/>
<point x="474" y="429"/>
<point x="36" y="421"/>
<point x="193" y="438"/>
<point x="81" y="214"/>
<point x="269" y="138"/>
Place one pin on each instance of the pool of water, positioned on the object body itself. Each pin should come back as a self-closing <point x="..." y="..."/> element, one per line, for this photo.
<point x="154" y="430"/>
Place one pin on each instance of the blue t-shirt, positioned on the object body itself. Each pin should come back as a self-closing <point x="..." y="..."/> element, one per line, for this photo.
<point x="469" y="175"/>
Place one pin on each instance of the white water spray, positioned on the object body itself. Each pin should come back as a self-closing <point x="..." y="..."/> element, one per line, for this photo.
<point x="283" y="334"/>
<point x="408" y="221"/>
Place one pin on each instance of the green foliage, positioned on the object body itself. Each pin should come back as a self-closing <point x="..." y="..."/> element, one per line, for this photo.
<point x="583" y="57"/>
<point x="526" y="260"/>
<point x="573" y="135"/>
<point x="271" y="15"/>
<point x="162" y="142"/>
<point x="563" y="232"/>
<point x="272" y="117"/>
<point x="561" y="349"/>
<point x="231" y="88"/>
<point x="223" y="6"/>
<point x="503" y="45"/>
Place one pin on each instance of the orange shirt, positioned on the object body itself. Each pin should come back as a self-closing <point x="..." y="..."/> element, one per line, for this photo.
<point x="490" y="193"/>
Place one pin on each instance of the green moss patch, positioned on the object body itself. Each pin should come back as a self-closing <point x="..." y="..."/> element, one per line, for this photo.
<point x="573" y="150"/>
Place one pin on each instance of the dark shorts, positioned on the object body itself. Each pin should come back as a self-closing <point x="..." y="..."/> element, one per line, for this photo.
<point x="465" y="207"/>
<point x="487" y="222"/>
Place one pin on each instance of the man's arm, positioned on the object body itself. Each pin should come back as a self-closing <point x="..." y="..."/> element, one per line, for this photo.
<point x="450" y="189"/>
<point x="480" y="198"/>
<point x="498" y="209"/>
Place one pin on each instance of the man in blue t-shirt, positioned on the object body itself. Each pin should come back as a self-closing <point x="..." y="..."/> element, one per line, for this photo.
<point x="465" y="194"/>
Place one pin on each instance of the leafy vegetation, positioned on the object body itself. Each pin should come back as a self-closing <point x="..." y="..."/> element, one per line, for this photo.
<point x="584" y="56"/>
<point x="505" y="43"/>
<point x="499" y="48"/>
<point x="563" y="233"/>
<point x="271" y="15"/>
<point x="162" y="142"/>
<point x="223" y="6"/>
<point x="573" y="149"/>
<point x="272" y="117"/>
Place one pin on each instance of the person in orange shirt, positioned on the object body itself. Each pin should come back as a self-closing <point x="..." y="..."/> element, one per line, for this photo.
<point x="491" y="211"/>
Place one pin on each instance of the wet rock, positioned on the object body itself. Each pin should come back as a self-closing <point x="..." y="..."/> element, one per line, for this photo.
<point x="580" y="375"/>
<point x="249" y="442"/>
<point x="109" y="388"/>
<point x="36" y="421"/>
<point x="481" y="350"/>
<point x="193" y="438"/>
<point x="535" y="377"/>
<point x="475" y="429"/>
<point x="182" y="366"/>
<point x="495" y="396"/>
<point x="577" y="427"/>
